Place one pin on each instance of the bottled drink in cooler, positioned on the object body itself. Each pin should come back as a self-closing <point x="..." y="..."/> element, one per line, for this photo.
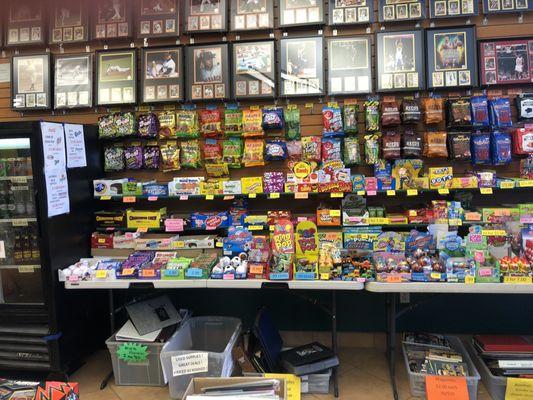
<point x="26" y="247"/>
<point x="17" y="250"/>
<point x="10" y="200"/>
<point x="30" y="200"/>
<point x="19" y="198"/>
<point x="3" y="200"/>
<point x="35" y="252"/>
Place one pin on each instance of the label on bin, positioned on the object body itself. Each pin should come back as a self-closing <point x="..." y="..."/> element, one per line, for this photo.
<point x="446" y="388"/>
<point x="519" y="389"/>
<point x="189" y="364"/>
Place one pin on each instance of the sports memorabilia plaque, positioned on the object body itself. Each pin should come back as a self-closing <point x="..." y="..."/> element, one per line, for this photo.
<point x="73" y="83"/>
<point x="400" y="60"/>
<point x="157" y="18"/>
<point x="162" y="74"/>
<point x="252" y="15"/>
<point x="205" y="15"/>
<point x="504" y="62"/>
<point x="208" y="72"/>
<point x="254" y="69"/>
<point x="69" y="21"/>
<point x="451" y="57"/>
<point x="30" y="88"/>
<point x="112" y="19"/>
<point x="116" y="77"/>
<point x="350" y="70"/>
<point x="25" y="23"/>
<point x="301" y="12"/>
<point x="302" y="71"/>
<point x="505" y="6"/>
<point x="401" y="10"/>
<point x="452" y="8"/>
<point x="351" y="12"/>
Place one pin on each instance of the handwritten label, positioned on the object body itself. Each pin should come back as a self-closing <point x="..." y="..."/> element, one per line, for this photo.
<point x="256" y="269"/>
<point x="274" y="196"/>
<point x="252" y="195"/>
<point x="493" y="232"/>
<point x="188" y="364"/>
<point x="485" y="190"/>
<point x="209" y="197"/>
<point x="519" y="389"/>
<point x="337" y="195"/>
<point x="517" y="280"/>
<point x="324" y="276"/>
<point x="446" y="388"/>
<point x="412" y="192"/>
<point x="528" y="183"/>
<point x="470" y="280"/>
<point x="334" y="213"/>
<point x="174" y="225"/>
<point x="378" y="221"/>
<point x="255" y="227"/>
<point x="394" y="279"/>
<point x="360" y="192"/>
<point x="19" y="222"/>
<point x="444" y="191"/>
<point x="506" y="185"/>
<point x="101" y="274"/>
<point x="391" y="192"/>
<point x="129" y="199"/>
<point x="104" y="198"/>
<point x="455" y="222"/>
<point x="301" y="195"/>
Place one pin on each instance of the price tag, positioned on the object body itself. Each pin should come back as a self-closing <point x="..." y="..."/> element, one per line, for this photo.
<point x="506" y="185"/>
<point x="413" y="213"/>
<point x="271" y="228"/>
<point x="184" y="197"/>
<point x="274" y="195"/>
<point x="394" y="279"/>
<point x="412" y="192"/>
<point x="255" y="227"/>
<point x="219" y="245"/>
<point x="444" y="191"/>
<point x="169" y="107"/>
<point x="19" y="179"/>
<point x="101" y="241"/>
<point x="179" y="245"/>
<point x="301" y="195"/>
<point x="101" y="274"/>
<point x="360" y="192"/>
<point x="519" y="389"/>
<point x="333" y="104"/>
<point x="19" y="222"/>
<point x="391" y="192"/>
<point x="371" y="193"/>
<point x="378" y="221"/>
<point x="26" y="269"/>
<point x="309" y="105"/>
<point x="104" y="198"/>
<point x="252" y="195"/>
<point x="527" y="183"/>
<point x="73" y="278"/>
<point x="256" y="269"/>
<point x="148" y="273"/>
<point x="485" y="190"/>
<point x="174" y="225"/>
<point x="142" y="229"/>
<point x="338" y="195"/>
<point x="254" y="108"/>
<point x="470" y="280"/>
<point x="335" y="213"/>
<point x="153" y="198"/>
<point x="435" y="275"/>
<point x="209" y="197"/>
<point x="518" y="280"/>
<point x="129" y="199"/>
<point x="446" y="388"/>
<point x="493" y="232"/>
<point x="455" y="222"/>
<point x="127" y="271"/>
<point x="229" y="198"/>
<point x="324" y="276"/>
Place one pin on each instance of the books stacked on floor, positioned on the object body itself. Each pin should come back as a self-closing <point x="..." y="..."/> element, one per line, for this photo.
<point x="508" y="356"/>
<point x="258" y="390"/>
<point x="433" y="355"/>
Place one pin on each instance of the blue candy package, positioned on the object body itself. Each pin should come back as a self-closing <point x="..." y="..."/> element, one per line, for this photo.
<point x="273" y="118"/>
<point x="500" y="112"/>
<point x="500" y="148"/>
<point x="276" y="150"/>
<point x="480" y="111"/>
<point x="332" y="121"/>
<point x="480" y="148"/>
<point x="210" y="220"/>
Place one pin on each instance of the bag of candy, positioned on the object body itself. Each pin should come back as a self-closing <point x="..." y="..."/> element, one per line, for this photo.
<point x="148" y="125"/>
<point x="233" y="122"/>
<point x="459" y="112"/>
<point x="412" y="144"/>
<point x="125" y="123"/>
<point x="433" y="110"/>
<point x="190" y="154"/>
<point x="212" y="151"/>
<point x="187" y="124"/>
<point x="275" y="150"/>
<point x="480" y="111"/>
<point x="352" y="153"/>
<point x="371" y="149"/>
<point x="523" y="140"/>
<point x="232" y="152"/>
<point x="106" y="127"/>
<point x="170" y="157"/>
<point x="459" y="146"/>
<point x="351" y="115"/>
<point x="372" y="116"/>
<point x="480" y="150"/>
<point x="292" y="124"/>
<point x="311" y="149"/>
<point x="294" y="150"/>
<point x="391" y="145"/>
<point x="501" y="148"/>
<point x="411" y="112"/>
<point x="113" y="158"/>
<point x="332" y="122"/>
<point x="390" y="113"/>
<point x="167" y="124"/>
<point x="435" y="144"/>
<point x="331" y="150"/>
<point x="524" y="106"/>
<point x="151" y="157"/>
<point x="253" y="153"/>
<point x="500" y="111"/>
<point x="210" y="123"/>
<point x="252" y="121"/>
<point x="133" y="156"/>
<point x="272" y="118"/>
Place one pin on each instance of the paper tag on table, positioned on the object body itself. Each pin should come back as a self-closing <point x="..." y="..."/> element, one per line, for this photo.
<point x="188" y="364"/>
<point x="53" y="145"/>
<point x="75" y="140"/>
<point x="292" y="383"/>
<point x="519" y="389"/>
<point x="446" y="388"/>
<point x="57" y="196"/>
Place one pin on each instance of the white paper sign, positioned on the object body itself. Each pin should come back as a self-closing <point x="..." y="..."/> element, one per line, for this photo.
<point x="189" y="364"/>
<point x="75" y="140"/>
<point x="53" y="145"/>
<point x="57" y="191"/>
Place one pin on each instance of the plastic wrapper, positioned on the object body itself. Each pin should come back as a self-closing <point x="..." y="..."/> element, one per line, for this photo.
<point x="147" y="125"/>
<point x="500" y="112"/>
<point x="435" y="144"/>
<point x="190" y="154"/>
<point x="273" y="182"/>
<point x="294" y="150"/>
<point x="459" y="146"/>
<point x="523" y="140"/>
<point x="372" y="116"/>
<point x="114" y="158"/>
<point x="232" y="152"/>
<point x="212" y="151"/>
<point x="524" y="107"/>
<point x="390" y="113"/>
<point x="170" y="157"/>
<point x="411" y="112"/>
<point x="106" y="127"/>
<point x="480" y="111"/>
<point x="459" y="113"/>
<point x="351" y="151"/>
<point x="501" y="148"/>
<point x="351" y="119"/>
<point x="233" y="122"/>
<point x="331" y="149"/>
<point x="480" y="148"/>
<point x="292" y="124"/>
<point x="253" y="153"/>
<point x="133" y="156"/>
<point x="312" y="149"/>
<point x="391" y="145"/>
<point x="125" y="124"/>
<point x="273" y="118"/>
<point x="187" y="124"/>
<point x="217" y="170"/>
<point x="332" y="122"/>
<point x="275" y="150"/>
<point x="371" y="149"/>
<point x="433" y="110"/>
<point x="210" y="123"/>
<point x="252" y="121"/>
<point x="151" y="157"/>
<point x="167" y="124"/>
<point x="412" y="144"/>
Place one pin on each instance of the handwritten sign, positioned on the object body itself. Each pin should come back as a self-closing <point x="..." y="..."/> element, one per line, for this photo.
<point x="446" y="388"/>
<point x="292" y="383"/>
<point x="189" y="364"/>
<point x="174" y="225"/>
<point x="519" y="389"/>
<point x="53" y="145"/>
<point x="75" y="140"/>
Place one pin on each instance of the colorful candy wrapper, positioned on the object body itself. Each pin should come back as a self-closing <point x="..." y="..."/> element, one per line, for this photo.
<point x="459" y="146"/>
<point x="147" y="125"/>
<point x="253" y="153"/>
<point x="252" y="121"/>
<point x="523" y="140"/>
<point x="114" y="158"/>
<point x="350" y="115"/>
<point x="167" y="124"/>
<point x="170" y="157"/>
<point x="273" y="118"/>
<point x="190" y="154"/>
<point x="500" y="111"/>
<point x="412" y="145"/>
<point x="433" y="110"/>
<point x="273" y="182"/>
<point x="133" y="156"/>
<point x="435" y="144"/>
<point x="480" y="111"/>
<point x="218" y="170"/>
<point x="232" y="152"/>
<point x="292" y="124"/>
<point x="372" y="116"/>
<point x="480" y="150"/>
<point x="125" y="124"/>
<point x="106" y="127"/>
<point x="352" y="153"/>
<point x="233" y="122"/>
<point x="390" y="113"/>
<point x="459" y="112"/>
<point x="187" y="124"/>
<point x="371" y="149"/>
<point x="332" y="122"/>
<point x="275" y="150"/>
<point x="331" y="149"/>
<point x="501" y="147"/>
<point x="391" y="145"/>
<point x="411" y="112"/>
<point x="151" y="157"/>
<point x="294" y="150"/>
<point x="524" y="106"/>
<point x="210" y="123"/>
<point x="212" y="151"/>
<point x="311" y="149"/>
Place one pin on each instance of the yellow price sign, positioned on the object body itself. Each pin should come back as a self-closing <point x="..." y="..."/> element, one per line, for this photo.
<point x="526" y="183"/>
<point x="255" y="227"/>
<point x="507" y="185"/>
<point x="335" y="213"/>
<point x="518" y="280"/>
<point x="493" y="232"/>
<point x="301" y="195"/>
<point x="337" y="195"/>
<point x="324" y="276"/>
<point x="254" y="108"/>
<point x="470" y="280"/>
<point x="252" y="195"/>
<point x="101" y="274"/>
<point x="271" y="228"/>
<point x="103" y="198"/>
<point x="142" y="229"/>
<point x="378" y="221"/>
<point x="209" y="197"/>
<point x="391" y="192"/>
<point x="219" y="244"/>
<point x="444" y="191"/>
<point x="435" y="275"/>
<point x="274" y="196"/>
<point x="455" y="222"/>
<point x="292" y="384"/>
<point x="360" y="192"/>
<point x="412" y="192"/>
<point x="179" y="245"/>
<point x="129" y="199"/>
<point x="309" y="105"/>
<point x="519" y="389"/>
<point x="485" y="190"/>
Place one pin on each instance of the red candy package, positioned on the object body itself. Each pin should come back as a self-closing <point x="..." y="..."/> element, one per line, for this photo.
<point x="212" y="151"/>
<point x="210" y="123"/>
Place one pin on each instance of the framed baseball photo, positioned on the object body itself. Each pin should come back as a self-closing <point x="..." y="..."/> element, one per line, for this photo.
<point x="351" y="12"/>
<point x="116" y="77"/>
<point x="301" y="12"/>
<point x="157" y="18"/>
<point x="505" y="62"/>
<point x="69" y="21"/>
<point x="208" y="72"/>
<point x="401" y="10"/>
<point x="30" y="87"/>
<point x="350" y="68"/>
<point x="205" y="15"/>
<point x="400" y="61"/>
<point x="451" y="61"/>
<point x="73" y="81"/>
<point x="302" y="70"/>
<point x="254" y="70"/>
<point x="252" y="15"/>
<point x="507" y="6"/>
<point x="112" y="19"/>
<point x="25" y="23"/>
<point x="162" y="74"/>
<point x="452" y="8"/>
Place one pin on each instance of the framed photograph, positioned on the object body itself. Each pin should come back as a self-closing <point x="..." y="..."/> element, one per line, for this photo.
<point x="205" y="15"/>
<point x="350" y="67"/>
<point x="157" y="18"/>
<point x="30" y="86"/>
<point x="302" y="70"/>
<point x="400" y="55"/>
<point x="301" y="12"/>
<point x="452" y="8"/>
<point x="73" y="81"/>
<point x="69" y="21"/>
<point x="504" y="62"/>
<point x="112" y="19"/>
<point x="249" y="15"/>
<point x="25" y="23"/>
<point x="506" y="6"/>
<point x="208" y="72"/>
<point x="351" y="12"/>
<point x="162" y="74"/>
<point x="254" y="69"/>
<point x="401" y="10"/>
<point x="116" y="77"/>
<point x="451" y="50"/>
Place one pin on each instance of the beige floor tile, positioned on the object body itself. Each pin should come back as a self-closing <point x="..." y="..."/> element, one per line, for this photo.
<point x="90" y="376"/>
<point x="141" y="392"/>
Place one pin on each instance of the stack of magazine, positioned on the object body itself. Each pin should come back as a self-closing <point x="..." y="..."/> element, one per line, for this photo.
<point x="260" y="390"/>
<point x="509" y="356"/>
<point x="432" y="354"/>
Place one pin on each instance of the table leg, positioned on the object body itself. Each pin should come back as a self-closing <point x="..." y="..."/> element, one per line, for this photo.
<point x="112" y="327"/>
<point x="391" y="341"/>
<point x="334" y="341"/>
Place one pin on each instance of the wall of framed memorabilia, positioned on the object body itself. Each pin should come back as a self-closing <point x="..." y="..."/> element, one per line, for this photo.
<point x="116" y="77"/>
<point x="251" y="15"/>
<point x="208" y="77"/>
<point x="73" y="81"/>
<point x="112" y="19"/>
<point x="157" y="19"/>
<point x="162" y="74"/>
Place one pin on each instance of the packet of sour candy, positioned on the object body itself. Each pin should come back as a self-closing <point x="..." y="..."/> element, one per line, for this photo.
<point x="252" y="121"/>
<point x="372" y="116"/>
<point x="232" y="152"/>
<point x="210" y="123"/>
<point x="233" y="122"/>
<point x="187" y="124"/>
<point x="292" y="124"/>
<point x="167" y="124"/>
<point x="351" y="113"/>
<point x="170" y="157"/>
<point x="331" y="150"/>
<point x="371" y="149"/>
<point x="253" y="153"/>
<point x="190" y="154"/>
<point x="311" y="148"/>
<point x="212" y="151"/>
<point x="332" y="122"/>
<point x="351" y="152"/>
<point x="147" y="125"/>
<point x="114" y="158"/>
<point x="151" y="157"/>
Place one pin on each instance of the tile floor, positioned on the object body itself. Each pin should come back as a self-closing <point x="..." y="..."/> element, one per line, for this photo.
<point x="362" y="376"/>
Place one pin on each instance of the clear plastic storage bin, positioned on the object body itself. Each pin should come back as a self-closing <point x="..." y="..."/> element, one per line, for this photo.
<point x="495" y="385"/>
<point x="417" y="381"/>
<point x="201" y="347"/>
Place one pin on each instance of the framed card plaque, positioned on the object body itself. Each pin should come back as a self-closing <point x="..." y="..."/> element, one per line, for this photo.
<point x="506" y="62"/>
<point x="401" y="10"/>
<point x="400" y="61"/>
<point x="351" y="12"/>
<point x="157" y="18"/>
<point x="254" y="69"/>
<point x="302" y="69"/>
<point x="452" y="8"/>
<point x="451" y="61"/>
<point x="301" y="12"/>
<point x="116" y="77"/>
<point x="73" y="81"/>
<point x="208" y="72"/>
<point x="112" y="19"/>
<point x="350" y="68"/>
<point x="162" y="74"/>
<point x="249" y="15"/>
<point x="69" y="21"/>
<point x="30" y="87"/>
<point x="506" y="6"/>
<point x="205" y="16"/>
<point x="25" y="23"/>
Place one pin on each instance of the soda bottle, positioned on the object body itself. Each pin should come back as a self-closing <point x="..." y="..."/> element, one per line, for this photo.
<point x="17" y="250"/>
<point x="30" y="200"/>
<point x="10" y="201"/>
<point x="3" y="201"/>
<point x="35" y="252"/>
<point x="26" y="247"/>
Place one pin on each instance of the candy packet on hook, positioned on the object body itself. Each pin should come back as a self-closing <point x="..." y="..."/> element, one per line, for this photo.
<point x="167" y="124"/>
<point x="210" y="123"/>
<point x="501" y="148"/>
<point x="190" y="154"/>
<point x="233" y="124"/>
<point x="332" y="122"/>
<point x="500" y="111"/>
<point x="187" y="124"/>
<point x="480" y="111"/>
<point x="273" y="118"/>
<point x="372" y="116"/>
<point x="351" y="152"/>
<point x="292" y="124"/>
<point x="252" y="123"/>
<point x="351" y="115"/>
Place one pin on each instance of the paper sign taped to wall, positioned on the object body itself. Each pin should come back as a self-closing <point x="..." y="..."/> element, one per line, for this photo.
<point x="75" y="139"/>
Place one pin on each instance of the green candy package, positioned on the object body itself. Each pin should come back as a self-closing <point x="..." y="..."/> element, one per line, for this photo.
<point x="233" y="122"/>
<point x="351" y="152"/>
<point x="292" y="124"/>
<point x="187" y="124"/>
<point x="371" y="149"/>
<point x="372" y="116"/>
<point x="350" y="114"/>
<point x="190" y="154"/>
<point x="232" y="152"/>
